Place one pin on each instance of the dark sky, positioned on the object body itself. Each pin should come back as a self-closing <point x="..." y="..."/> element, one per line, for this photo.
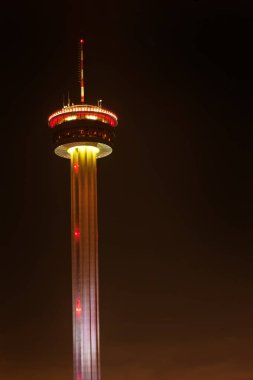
<point x="175" y="197"/>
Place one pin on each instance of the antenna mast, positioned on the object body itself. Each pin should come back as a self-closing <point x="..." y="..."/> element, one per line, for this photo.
<point x="82" y="71"/>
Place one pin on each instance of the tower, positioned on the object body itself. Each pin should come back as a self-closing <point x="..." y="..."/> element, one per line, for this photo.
<point x="83" y="133"/>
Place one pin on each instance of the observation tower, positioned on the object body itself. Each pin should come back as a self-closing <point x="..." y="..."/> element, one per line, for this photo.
<point x="83" y="133"/>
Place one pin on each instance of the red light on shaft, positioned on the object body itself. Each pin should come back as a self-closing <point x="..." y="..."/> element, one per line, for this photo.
<point x="77" y="233"/>
<point x="76" y="168"/>
<point x="78" y="307"/>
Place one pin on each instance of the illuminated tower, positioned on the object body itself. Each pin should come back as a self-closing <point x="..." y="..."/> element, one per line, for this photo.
<point x="83" y="133"/>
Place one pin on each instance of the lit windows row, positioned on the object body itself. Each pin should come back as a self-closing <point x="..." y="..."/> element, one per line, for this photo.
<point x="84" y="132"/>
<point x="81" y="116"/>
<point x="91" y="109"/>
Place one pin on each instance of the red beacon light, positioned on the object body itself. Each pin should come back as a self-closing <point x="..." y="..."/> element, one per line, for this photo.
<point x="77" y="233"/>
<point x="76" y="168"/>
<point x="78" y="307"/>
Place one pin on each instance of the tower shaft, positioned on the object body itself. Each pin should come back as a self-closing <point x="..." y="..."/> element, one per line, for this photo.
<point x="85" y="294"/>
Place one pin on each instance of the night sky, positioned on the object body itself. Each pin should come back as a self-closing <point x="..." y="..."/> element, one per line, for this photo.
<point x="175" y="197"/>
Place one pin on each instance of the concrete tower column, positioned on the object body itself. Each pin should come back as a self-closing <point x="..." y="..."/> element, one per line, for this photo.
<point x="85" y="294"/>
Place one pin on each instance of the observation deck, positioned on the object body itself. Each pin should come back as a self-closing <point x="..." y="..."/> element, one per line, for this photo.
<point x="83" y="124"/>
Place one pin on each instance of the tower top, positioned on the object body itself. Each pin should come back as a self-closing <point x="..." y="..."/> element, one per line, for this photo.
<point x="83" y="124"/>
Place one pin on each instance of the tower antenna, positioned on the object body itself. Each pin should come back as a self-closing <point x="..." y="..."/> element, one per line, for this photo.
<point x="82" y="71"/>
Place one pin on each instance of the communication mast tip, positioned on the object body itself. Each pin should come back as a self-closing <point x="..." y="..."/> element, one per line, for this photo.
<point x="82" y="70"/>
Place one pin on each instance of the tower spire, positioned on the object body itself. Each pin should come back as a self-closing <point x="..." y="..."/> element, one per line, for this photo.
<point x="82" y="71"/>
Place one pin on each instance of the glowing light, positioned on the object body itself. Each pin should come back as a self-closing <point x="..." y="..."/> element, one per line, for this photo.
<point x="76" y="168"/>
<point x="82" y="41"/>
<point x="74" y="117"/>
<point x="91" y="117"/>
<point x="82" y="111"/>
<point x="78" y="307"/>
<point x="82" y="148"/>
<point x="77" y="233"/>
